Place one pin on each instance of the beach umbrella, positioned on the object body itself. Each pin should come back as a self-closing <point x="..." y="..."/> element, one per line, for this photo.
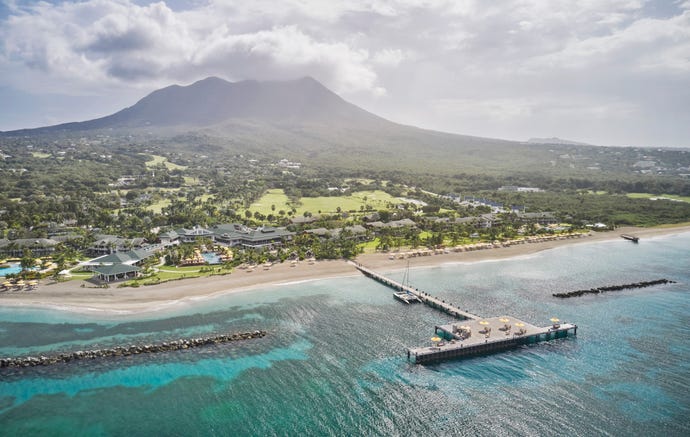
<point x="483" y="322"/>
<point x="435" y="339"/>
<point x="519" y="324"/>
<point x="7" y="284"/>
<point x="465" y="328"/>
<point x="554" y="320"/>
<point x="504" y="320"/>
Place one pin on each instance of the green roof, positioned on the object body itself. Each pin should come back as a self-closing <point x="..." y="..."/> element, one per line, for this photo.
<point x="132" y="256"/>
<point x="115" y="269"/>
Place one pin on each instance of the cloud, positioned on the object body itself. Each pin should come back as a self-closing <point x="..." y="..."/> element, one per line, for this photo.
<point x="516" y="62"/>
<point x="118" y="41"/>
<point x="389" y="57"/>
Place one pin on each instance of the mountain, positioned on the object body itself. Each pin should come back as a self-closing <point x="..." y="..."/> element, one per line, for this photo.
<point x="301" y="119"/>
<point x="555" y="140"/>
<point x="212" y="101"/>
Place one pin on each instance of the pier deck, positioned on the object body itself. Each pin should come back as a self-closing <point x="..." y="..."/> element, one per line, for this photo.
<point x="473" y="335"/>
<point x="423" y="297"/>
<point x="485" y="336"/>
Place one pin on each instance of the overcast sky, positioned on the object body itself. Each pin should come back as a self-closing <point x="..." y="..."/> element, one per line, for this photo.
<point x="607" y="72"/>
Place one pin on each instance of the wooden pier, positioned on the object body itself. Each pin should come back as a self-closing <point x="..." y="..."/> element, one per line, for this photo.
<point x="423" y="297"/>
<point x="474" y="335"/>
<point x="629" y="237"/>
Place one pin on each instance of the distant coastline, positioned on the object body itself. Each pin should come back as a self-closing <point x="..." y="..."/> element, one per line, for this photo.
<point x="71" y="296"/>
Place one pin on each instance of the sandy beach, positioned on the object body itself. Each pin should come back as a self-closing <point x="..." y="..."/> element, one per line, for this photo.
<point x="72" y="296"/>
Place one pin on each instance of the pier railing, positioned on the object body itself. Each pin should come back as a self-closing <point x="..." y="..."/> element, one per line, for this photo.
<point x="424" y="297"/>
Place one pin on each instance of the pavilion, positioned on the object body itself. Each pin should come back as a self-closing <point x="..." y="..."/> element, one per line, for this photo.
<point x="116" y="272"/>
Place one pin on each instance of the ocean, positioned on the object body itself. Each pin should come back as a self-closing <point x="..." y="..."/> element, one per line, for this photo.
<point x="334" y="361"/>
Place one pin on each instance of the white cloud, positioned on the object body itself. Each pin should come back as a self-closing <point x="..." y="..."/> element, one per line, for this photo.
<point x="389" y="57"/>
<point x="505" y="60"/>
<point x="118" y="41"/>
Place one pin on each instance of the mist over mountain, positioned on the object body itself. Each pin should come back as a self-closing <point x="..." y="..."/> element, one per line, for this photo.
<point x="212" y="101"/>
<point x="556" y="140"/>
<point x="300" y="118"/>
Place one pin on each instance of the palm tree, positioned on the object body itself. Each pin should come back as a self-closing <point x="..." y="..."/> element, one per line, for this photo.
<point x="27" y="261"/>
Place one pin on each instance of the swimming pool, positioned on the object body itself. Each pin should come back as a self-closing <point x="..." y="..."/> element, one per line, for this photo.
<point x="211" y="257"/>
<point x="13" y="269"/>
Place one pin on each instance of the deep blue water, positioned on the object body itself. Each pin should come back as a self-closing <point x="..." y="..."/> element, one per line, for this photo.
<point x="334" y="362"/>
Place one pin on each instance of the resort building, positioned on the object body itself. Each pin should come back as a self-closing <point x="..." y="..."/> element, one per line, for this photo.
<point x="119" y="265"/>
<point x="404" y="223"/>
<point x="106" y="244"/>
<point x="116" y="272"/>
<point x="38" y="246"/>
<point x="239" y="235"/>
<point x="192" y="235"/>
<point x="541" y="218"/>
<point x="132" y="257"/>
<point x="233" y="234"/>
<point x="301" y="220"/>
<point x="356" y="232"/>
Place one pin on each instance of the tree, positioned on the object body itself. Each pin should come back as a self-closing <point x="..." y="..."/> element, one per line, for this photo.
<point x="28" y="260"/>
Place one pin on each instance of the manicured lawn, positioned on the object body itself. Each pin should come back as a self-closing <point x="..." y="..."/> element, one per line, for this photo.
<point x="180" y="270"/>
<point x="158" y="206"/>
<point x="369" y="246"/>
<point x="77" y="276"/>
<point x="157" y="160"/>
<point x="326" y="204"/>
<point x="275" y="197"/>
<point x="659" y="196"/>
<point x="168" y="273"/>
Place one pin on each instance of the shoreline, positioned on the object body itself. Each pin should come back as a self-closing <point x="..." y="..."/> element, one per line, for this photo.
<point x="71" y="297"/>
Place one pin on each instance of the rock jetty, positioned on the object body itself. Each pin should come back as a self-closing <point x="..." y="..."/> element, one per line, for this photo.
<point x="123" y="351"/>
<point x="642" y="284"/>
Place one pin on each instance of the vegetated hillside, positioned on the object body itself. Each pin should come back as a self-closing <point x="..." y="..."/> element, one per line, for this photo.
<point x="300" y="118"/>
<point x="304" y="121"/>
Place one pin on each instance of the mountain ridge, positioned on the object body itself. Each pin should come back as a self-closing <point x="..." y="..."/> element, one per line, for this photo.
<point x="213" y="100"/>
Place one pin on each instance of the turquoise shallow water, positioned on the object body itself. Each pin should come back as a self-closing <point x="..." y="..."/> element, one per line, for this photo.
<point x="334" y="362"/>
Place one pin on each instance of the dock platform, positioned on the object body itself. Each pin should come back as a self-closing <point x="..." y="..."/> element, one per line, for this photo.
<point x="485" y="336"/>
<point x="473" y="335"/>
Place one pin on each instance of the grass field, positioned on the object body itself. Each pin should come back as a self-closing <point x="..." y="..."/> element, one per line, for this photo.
<point x="40" y="155"/>
<point x="158" y="206"/>
<point x="168" y="273"/>
<point x="205" y="197"/>
<point x="189" y="180"/>
<point x="659" y="197"/>
<point x="82" y="276"/>
<point x="157" y="160"/>
<point x="375" y="199"/>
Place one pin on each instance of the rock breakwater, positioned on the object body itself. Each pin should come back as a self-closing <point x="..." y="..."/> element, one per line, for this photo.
<point x="598" y="290"/>
<point x="123" y="351"/>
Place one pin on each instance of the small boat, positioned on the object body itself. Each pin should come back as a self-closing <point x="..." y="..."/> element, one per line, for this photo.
<point x="403" y="296"/>
<point x="629" y="237"/>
